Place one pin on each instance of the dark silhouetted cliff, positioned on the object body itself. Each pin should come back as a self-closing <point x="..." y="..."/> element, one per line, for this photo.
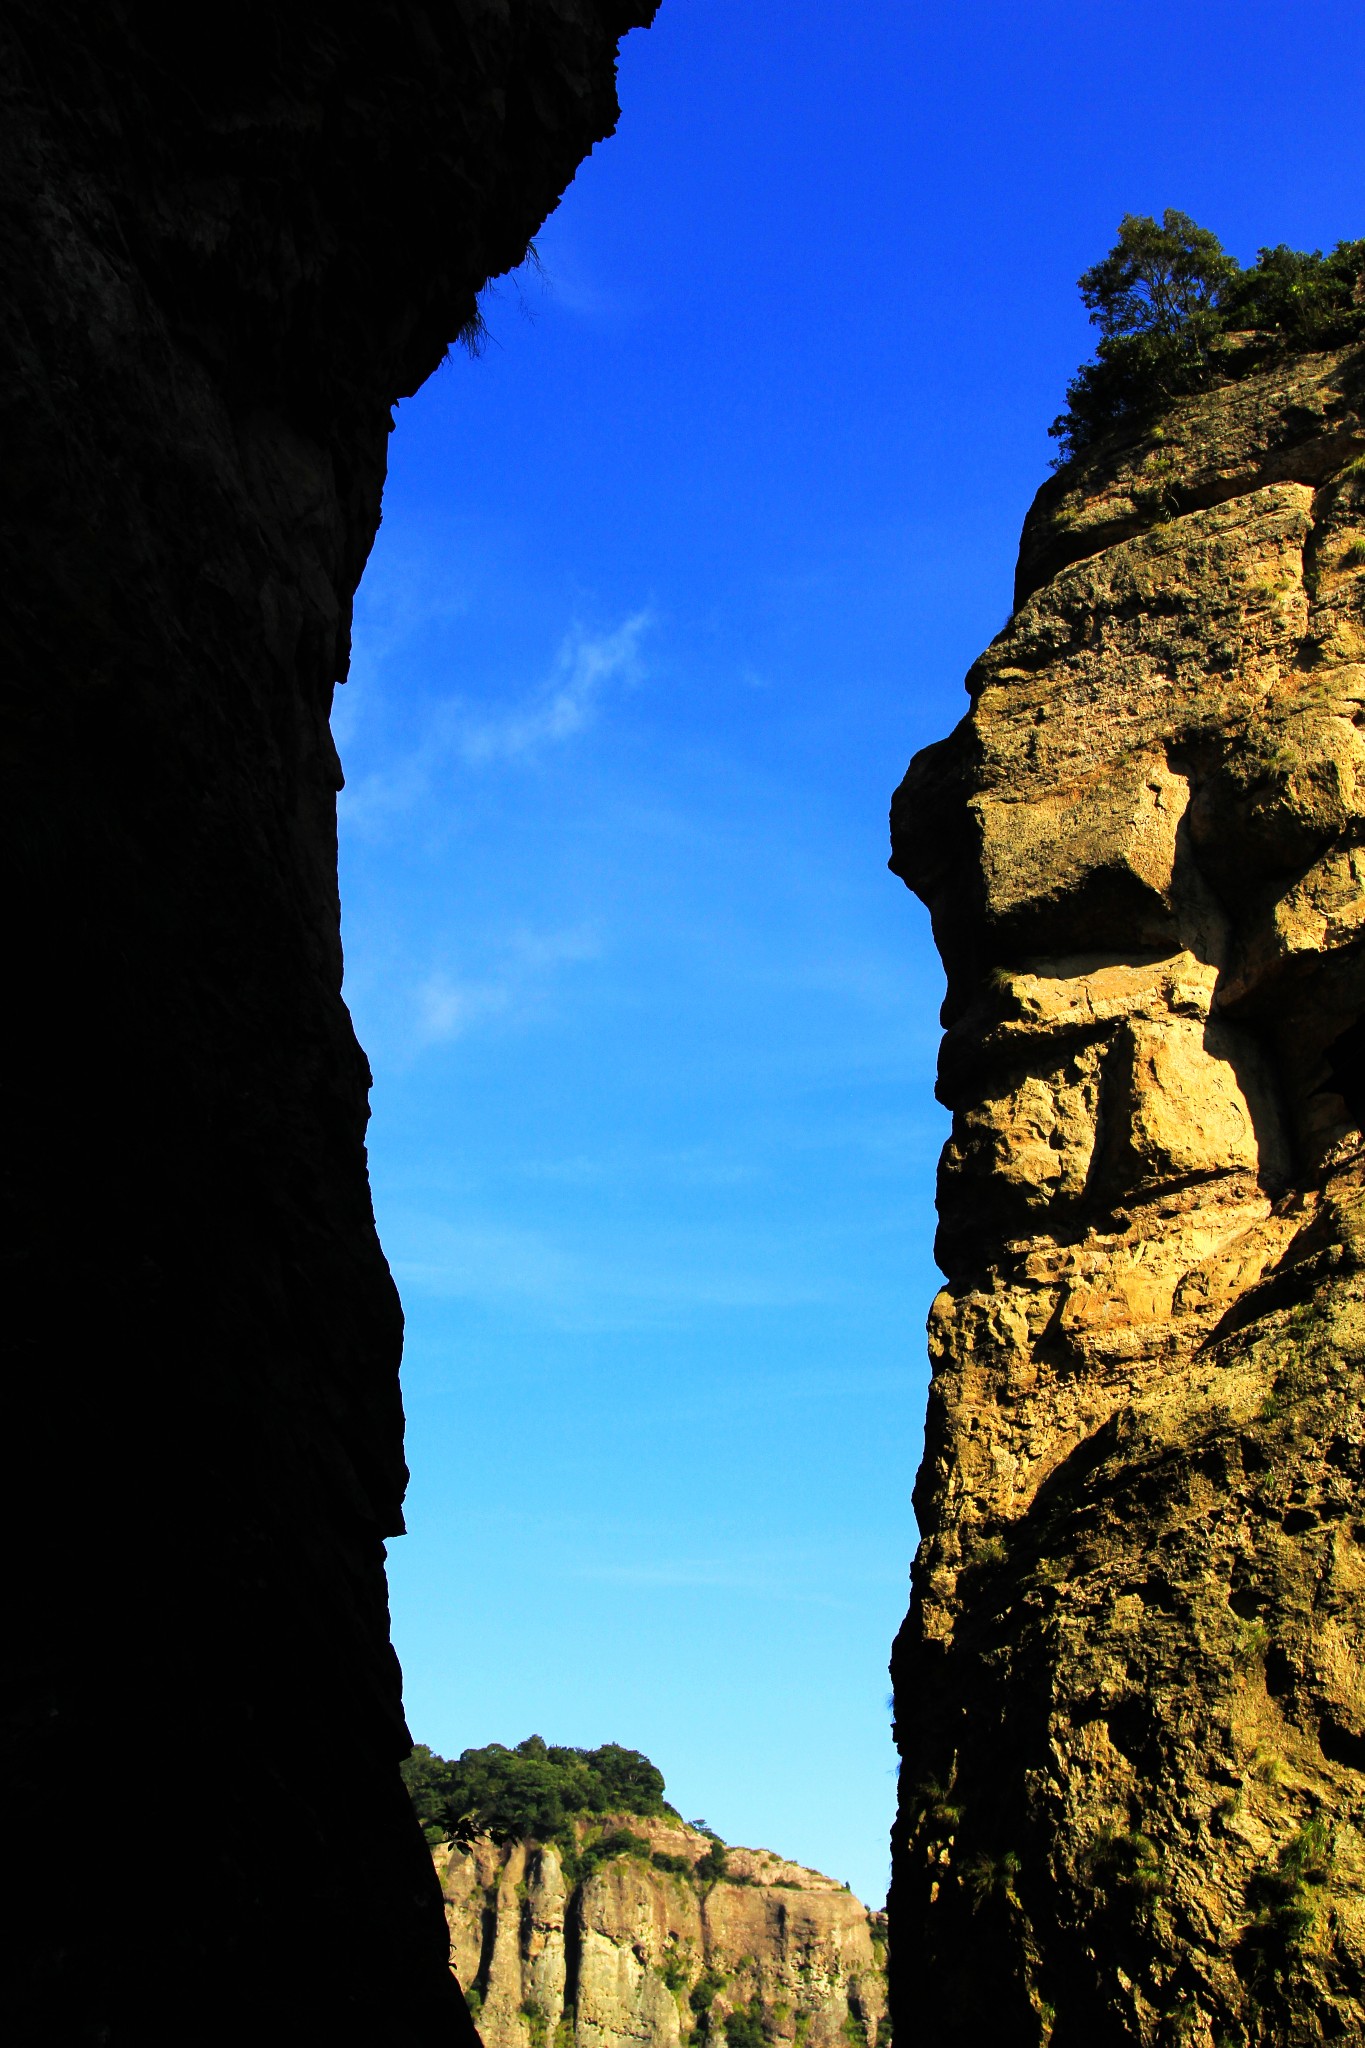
<point x="231" y="239"/>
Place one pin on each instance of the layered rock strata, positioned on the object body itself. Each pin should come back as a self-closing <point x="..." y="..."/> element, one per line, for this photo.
<point x="639" y="1951"/>
<point x="1130" y="1690"/>
<point x="230" y="240"/>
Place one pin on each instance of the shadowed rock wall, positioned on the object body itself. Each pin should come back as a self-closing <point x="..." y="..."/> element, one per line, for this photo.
<point x="1130" y="1690"/>
<point x="230" y="240"/>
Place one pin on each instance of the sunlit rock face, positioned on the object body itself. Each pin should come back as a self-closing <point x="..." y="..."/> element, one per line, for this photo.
<point x="633" y="1955"/>
<point x="1130" y="1690"/>
<point x="231" y="239"/>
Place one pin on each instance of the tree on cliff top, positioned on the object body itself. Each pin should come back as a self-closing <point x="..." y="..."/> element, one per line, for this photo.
<point x="1176" y="314"/>
<point x="531" y="1792"/>
<point x="1163" y="280"/>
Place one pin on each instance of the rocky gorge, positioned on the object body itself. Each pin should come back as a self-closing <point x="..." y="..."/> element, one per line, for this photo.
<point x="665" y="1939"/>
<point x="1130" y="1692"/>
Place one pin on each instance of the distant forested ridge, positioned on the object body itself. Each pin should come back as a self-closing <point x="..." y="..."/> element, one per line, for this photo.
<point x="530" y="1793"/>
<point x="1177" y="314"/>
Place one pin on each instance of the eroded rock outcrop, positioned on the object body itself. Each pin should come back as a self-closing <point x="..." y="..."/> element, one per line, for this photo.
<point x="231" y="238"/>
<point x="1130" y="1691"/>
<point x="633" y="1953"/>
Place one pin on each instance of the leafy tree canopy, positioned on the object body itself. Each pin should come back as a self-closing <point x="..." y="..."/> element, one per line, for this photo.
<point x="1161" y="279"/>
<point x="1176" y="314"/>
<point x="530" y="1792"/>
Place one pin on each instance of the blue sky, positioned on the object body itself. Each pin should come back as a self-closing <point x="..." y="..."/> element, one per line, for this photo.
<point x="670" y="584"/>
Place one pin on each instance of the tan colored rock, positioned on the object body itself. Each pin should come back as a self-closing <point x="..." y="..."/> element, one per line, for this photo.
<point x="614" y="1959"/>
<point x="1129" y="1691"/>
<point x="1301" y="424"/>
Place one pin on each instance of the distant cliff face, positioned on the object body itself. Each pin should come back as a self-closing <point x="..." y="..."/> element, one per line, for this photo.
<point x="634" y="1953"/>
<point x="1131" y="1687"/>
<point x="231" y="238"/>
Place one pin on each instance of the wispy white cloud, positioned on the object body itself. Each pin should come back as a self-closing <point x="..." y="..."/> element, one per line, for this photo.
<point x="567" y="278"/>
<point x="406" y="591"/>
<point x="810" y="1577"/>
<point x="540" y="950"/>
<point x="692" y="1166"/>
<point x="736" y="1575"/>
<point x="447" y="1004"/>
<point x="474" y="1261"/>
<point x="587" y="667"/>
<point x="619" y="1285"/>
<point x="587" y="664"/>
<point x="446" y="1008"/>
<point x="370" y="801"/>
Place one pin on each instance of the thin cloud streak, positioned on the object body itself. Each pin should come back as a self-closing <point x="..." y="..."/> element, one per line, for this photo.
<point x="498" y="1265"/>
<point x="789" y="1574"/>
<point x="448" y="1004"/>
<point x="586" y="665"/>
<point x="586" y="669"/>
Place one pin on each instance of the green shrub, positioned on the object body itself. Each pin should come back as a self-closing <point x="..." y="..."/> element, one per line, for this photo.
<point x="1253" y="1640"/>
<point x="531" y="1792"/>
<point x="1124" y="1867"/>
<point x="991" y="1877"/>
<point x="744" y="2028"/>
<point x="1304" y="1862"/>
<point x="619" y="1842"/>
<point x="938" y="1808"/>
<point x="675" y="1967"/>
<point x="1285" y="1899"/>
<point x="985" y="1554"/>
<point x="704" y="1991"/>
<point x="1168" y="299"/>
<point x="424" y="1774"/>
<point x="537" y="2023"/>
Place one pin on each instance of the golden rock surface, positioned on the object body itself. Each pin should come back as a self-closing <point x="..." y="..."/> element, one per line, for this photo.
<point x="1130" y="1690"/>
<point x="613" y="1958"/>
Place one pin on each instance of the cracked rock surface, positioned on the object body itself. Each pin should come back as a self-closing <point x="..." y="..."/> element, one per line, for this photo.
<point x="1130" y="1690"/>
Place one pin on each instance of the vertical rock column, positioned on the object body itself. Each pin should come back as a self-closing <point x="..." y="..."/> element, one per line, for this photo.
<point x="627" y="1954"/>
<point x="1129" y="1691"/>
<point x="230" y="241"/>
